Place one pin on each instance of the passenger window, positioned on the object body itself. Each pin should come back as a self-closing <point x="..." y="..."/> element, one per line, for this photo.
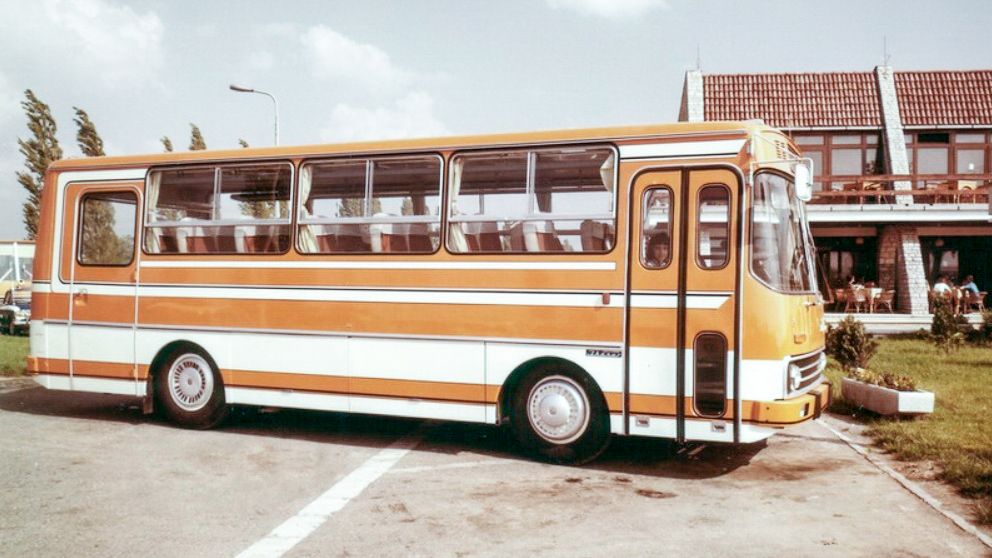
<point x="549" y="200"/>
<point x="713" y="230"/>
<point x="384" y="205"/>
<point x="230" y="209"/>
<point x="656" y="233"/>
<point x="106" y="228"/>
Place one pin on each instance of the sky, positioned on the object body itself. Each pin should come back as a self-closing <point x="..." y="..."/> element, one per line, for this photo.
<point x="374" y="69"/>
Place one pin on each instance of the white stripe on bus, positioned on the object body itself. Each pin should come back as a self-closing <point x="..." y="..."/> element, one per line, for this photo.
<point x="684" y="149"/>
<point x="661" y="300"/>
<point x="426" y="265"/>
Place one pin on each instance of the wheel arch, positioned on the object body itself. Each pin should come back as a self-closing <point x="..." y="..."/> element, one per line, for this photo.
<point x="505" y="398"/>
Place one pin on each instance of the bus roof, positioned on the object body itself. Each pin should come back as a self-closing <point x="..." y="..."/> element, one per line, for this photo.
<point x="438" y="143"/>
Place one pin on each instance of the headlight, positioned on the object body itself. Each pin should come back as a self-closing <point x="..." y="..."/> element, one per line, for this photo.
<point x="795" y="377"/>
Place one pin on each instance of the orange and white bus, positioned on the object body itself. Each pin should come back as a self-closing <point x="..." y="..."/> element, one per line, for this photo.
<point x="651" y="281"/>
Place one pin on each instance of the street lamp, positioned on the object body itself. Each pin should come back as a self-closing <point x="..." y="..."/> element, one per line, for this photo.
<point x="275" y="103"/>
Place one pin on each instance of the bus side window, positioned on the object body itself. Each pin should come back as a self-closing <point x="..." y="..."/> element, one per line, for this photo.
<point x="713" y="232"/>
<point x="551" y="200"/>
<point x="106" y="230"/>
<point x="656" y="229"/>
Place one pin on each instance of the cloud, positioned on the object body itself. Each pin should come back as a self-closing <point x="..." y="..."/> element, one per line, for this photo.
<point x="10" y="100"/>
<point x="348" y="63"/>
<point x="108" y="43"/>
<point x="410" y="116"/>
<point x="610" y="9"/>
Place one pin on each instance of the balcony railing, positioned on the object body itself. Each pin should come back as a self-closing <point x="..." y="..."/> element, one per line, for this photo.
<point x="955" y="189"/>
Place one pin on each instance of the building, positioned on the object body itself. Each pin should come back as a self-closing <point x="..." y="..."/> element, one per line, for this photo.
<point x="16" y="261"/>
<point x="902" y="163"/>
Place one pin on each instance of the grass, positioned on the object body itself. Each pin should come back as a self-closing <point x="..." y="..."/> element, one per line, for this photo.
<point x="958" y="436"/>
<point x="13" y="352"/>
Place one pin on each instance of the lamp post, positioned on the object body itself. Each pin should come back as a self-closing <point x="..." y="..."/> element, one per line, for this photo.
<point x="275" y="104"/>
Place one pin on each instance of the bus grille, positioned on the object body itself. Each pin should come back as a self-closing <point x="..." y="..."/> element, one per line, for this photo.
<point x="812" y="367"/>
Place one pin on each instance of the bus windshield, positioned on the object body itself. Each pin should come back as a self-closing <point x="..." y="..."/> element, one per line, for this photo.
<point x="780" y="253"/>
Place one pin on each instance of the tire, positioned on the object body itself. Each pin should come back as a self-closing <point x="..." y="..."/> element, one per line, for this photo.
<point x="560" y="416"/>
<point x="189" y="389"/>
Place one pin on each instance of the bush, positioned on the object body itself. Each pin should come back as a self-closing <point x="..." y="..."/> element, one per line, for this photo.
<point x="850" y="345"/>
<point x="897" y="382"/>
<point x="945" y="330"/>
<point x="986" y="330"/>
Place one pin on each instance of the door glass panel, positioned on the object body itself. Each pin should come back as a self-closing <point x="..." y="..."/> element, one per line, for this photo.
<point x="714" y="227"/>
<point x="656" y="236"/>
<point x="106" y="231"/>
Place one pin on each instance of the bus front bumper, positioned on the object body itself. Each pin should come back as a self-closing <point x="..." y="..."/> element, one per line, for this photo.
<point x="809" y="405"/>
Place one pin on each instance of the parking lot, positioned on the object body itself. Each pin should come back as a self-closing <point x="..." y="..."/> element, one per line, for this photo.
<point x="88" y="475"/>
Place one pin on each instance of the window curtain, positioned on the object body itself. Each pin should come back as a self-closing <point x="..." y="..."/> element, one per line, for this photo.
<point x="152" y="234"/>
<point x="308" y="240"/>
<point x="456" y="235"/>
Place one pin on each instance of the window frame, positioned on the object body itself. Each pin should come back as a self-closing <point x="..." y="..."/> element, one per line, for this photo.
<point x="695" y="373"/>
<point x="369" y="160"/>
<point x="750" y="234"/>
<point x="79" y="227"/>
<point x="671" y="216"/>
<point x="699" y="222"/>
<point x="532" y="151"/>
<point x="217" y="166"/>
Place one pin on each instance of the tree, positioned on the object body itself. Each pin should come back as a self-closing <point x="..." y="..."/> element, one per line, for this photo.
<point x="39" y="151"/>
<point x="87" y="137"/>
<point x="242" y="143"/>
<point x="196" y="142"/>
<point x="101" y="242"/>
<point x="166" y="143"/>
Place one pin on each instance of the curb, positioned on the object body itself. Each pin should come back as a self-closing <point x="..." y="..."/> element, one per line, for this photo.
<point x="911" y="486"/>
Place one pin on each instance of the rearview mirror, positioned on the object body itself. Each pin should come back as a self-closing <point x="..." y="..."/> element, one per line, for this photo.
<point x="804" y="179"/>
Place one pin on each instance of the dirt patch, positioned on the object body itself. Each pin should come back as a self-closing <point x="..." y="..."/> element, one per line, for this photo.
<point x="648" y="493"/>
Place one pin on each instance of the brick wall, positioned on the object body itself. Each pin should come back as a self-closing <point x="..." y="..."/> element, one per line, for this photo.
<point x="900" y="267"/>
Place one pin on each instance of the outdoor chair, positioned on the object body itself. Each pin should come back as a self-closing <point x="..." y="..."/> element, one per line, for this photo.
<point x="856" y="299"/>
<point x="974" y="301"/>
<point x="885" y="300"/>
<point x="840" y="297"/>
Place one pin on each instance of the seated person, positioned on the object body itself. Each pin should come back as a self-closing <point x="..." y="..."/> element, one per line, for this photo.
<point x="658" y="250"/>
<point x="969" y="284"/>
<point x="942" y="286"/>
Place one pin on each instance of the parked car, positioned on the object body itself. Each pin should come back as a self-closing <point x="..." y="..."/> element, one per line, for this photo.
<point x="15" y="312"/>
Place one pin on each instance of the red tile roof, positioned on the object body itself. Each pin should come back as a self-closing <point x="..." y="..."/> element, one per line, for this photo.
<point x="940" y="98"/>
<point x="945" y="98"/>
<point x="794" y="100"/>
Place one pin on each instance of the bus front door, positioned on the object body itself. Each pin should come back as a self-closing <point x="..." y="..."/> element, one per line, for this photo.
<point x="683" y="308"/>
<point x="99" y="267"/>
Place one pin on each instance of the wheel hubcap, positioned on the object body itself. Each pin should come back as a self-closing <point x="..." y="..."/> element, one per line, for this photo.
<point x="191" y="382"/>
<point x="558" y="409"/>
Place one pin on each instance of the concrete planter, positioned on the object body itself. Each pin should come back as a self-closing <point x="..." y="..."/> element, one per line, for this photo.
<point x="887" y="401"/>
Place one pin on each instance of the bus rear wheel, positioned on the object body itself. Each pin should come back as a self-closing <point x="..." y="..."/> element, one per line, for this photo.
<point x="560" y="415"/>
<point x="190" y="390"/>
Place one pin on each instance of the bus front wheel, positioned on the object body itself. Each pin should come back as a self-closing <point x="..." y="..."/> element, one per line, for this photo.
<point x="560" y="415"/>
<point x="190" y="389"/>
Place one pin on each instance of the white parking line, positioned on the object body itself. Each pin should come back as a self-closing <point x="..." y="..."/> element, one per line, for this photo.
<point x="300" y="526"/>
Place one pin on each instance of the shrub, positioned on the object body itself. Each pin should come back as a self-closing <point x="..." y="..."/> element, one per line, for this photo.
<point x="986" y="330"/>
<point x="850" y="345"/>
<point x="885" y="379"/>
<point x="945" y="330"/>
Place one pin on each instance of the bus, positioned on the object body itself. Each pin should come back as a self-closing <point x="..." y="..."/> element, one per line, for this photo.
<point x="570" y="285"/>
